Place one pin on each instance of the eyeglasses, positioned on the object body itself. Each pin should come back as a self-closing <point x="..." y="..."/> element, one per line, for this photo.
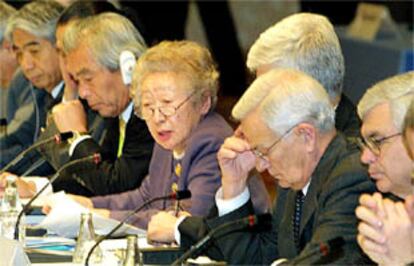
<point x="264" y="155"/>
<point x="374" y="145"/>
<point x="167" y="111"/>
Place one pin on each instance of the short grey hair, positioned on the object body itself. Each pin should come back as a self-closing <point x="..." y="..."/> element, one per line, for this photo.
<point x="287" y="97"/>
<point x="185" y="58"/>
<point x="6" y="11"/>
<point x="105" y="35"/>
<point x="306" y="42"/>
<point x="38" y="18"/>
<point x="397" y="91"/>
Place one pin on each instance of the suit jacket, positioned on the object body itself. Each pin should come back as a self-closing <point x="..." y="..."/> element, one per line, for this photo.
<point x="328" y="212"/>
<point x="113" y="174"/>
<point x="200" y="174"/>
<point x="346" y="118"/>
<point x="24" y="128"/>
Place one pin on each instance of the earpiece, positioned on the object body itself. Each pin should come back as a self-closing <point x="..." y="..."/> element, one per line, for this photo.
<point x="127" y="62"/>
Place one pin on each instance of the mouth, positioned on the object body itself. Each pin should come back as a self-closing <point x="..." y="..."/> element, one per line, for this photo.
<point x="164" y="135"/>
<point x="35" y="79"/>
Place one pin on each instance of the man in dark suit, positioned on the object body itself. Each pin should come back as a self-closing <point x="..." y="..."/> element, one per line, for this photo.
<point x="287" y="128"/>
<point x="385" y="232"/>
<point x="31" y="31"/>
<point x="308" y="42"/>
<point x="92" y="47"/>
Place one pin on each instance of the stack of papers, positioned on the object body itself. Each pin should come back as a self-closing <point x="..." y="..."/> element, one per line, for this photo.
<point x="64" y="219"/>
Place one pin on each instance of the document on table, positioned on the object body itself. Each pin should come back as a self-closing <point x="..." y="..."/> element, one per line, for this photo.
<point x="64" y="219"/>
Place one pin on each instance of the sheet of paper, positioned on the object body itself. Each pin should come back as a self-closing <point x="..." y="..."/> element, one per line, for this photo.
<point x="64" y="219"/>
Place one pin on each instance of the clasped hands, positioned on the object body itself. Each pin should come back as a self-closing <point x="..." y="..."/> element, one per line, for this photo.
<point x="386" y="231"/>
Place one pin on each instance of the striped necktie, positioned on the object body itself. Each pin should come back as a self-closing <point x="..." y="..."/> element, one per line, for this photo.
<point x="300" y="198"/>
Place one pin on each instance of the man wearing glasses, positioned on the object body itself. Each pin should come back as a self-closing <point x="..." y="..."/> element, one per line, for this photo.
<point x="382" y="110"/>
<point x="287" y="127"/>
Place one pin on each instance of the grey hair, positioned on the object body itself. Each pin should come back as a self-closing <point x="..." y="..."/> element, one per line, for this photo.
<point x="38" y="18"/>
<point x="287" y="97"/>
<point x="106" y="35"/>
<point x="6" y="11"/>
<point x="306" y="42"/>
<point x="397" y="91"/>
<point x="185" y="58"/>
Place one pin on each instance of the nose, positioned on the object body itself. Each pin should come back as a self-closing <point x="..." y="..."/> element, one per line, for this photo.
<point x="27" y="62"/>
<point x="367" y="156"/>
<point x="83" y="90"/>
<point x="158" y="116"/>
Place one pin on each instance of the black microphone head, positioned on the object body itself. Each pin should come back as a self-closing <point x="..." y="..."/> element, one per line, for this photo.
<point x="264" y="220"/>
<point x="65" y="136"/>
<point x="336" y="242"/>
<point x="181" y="194"/>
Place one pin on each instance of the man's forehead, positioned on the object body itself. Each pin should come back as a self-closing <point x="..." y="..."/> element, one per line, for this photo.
<point x="377" y="121"/>
<point x="22" y="38"/>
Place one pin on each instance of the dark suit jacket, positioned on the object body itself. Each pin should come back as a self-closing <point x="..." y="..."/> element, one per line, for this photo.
<point x="112" y="175"/>
<point x="346" y="118"/>
<point x="328" y="212"/>
<point x="23" y="128"/>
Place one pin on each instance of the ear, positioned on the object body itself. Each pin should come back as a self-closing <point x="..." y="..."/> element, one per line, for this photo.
<point x="206" y="104"/>
<point x="307" y="133"/>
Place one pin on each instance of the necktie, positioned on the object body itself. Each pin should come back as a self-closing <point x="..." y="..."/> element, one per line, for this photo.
<point x="296" y="217"/>
<point x="122" y="127"/>
<point x="174" y="187"/>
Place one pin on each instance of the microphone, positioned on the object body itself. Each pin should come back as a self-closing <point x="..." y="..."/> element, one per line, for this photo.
<point x="176" y="195"/>
<point x="95" y="158"/>
<point x="246" y="222"/>
<point x="323" y="250"/>
<point x="58" y="138"/>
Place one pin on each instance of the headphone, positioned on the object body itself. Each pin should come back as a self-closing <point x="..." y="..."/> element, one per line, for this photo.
<point x="126" y="63"/>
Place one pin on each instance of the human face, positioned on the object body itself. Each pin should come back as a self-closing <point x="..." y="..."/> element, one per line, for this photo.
<point x="169" y="89"/>
<point x="103" y="89"/>
<point x="285" y="161"/>
<point x="391" y="167"/>
<point x="38" y="58"/>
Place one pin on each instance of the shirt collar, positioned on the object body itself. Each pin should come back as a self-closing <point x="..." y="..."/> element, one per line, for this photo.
<point x="305" y="188"/>
<point x="56" y="90"/>
<point x="126" y="114"/>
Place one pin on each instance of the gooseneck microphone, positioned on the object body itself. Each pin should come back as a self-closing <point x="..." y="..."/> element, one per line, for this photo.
<point x="58" y="138"/>
<point x="177" y="195"/>
<point x="250" y="221"/>
<point x="95" y="158"/>
<point x="322" y="250"/>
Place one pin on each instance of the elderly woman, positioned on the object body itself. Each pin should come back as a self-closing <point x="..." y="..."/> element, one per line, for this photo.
<point x="175" y="91"/>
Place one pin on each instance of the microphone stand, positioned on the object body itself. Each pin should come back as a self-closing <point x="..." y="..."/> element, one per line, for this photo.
<point x="95" y="157"/>
<point x="58" y="138"/>
<point x="248" y="222"/>
<point x="175" y="195"/>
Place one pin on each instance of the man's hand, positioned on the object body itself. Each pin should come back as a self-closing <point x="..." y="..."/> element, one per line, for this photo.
<point x="399" y="233"/>
<point x="161" y="226"/>
<point x="70" y="116"/>
<point x="26" y="189"/>
<point x="236" y="160"/>
<point x="386" y="231"/>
